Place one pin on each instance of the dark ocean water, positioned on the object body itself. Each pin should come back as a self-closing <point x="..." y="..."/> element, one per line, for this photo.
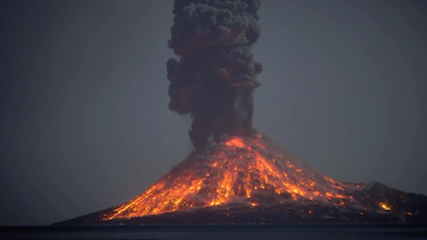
<point x="249" y="231"/>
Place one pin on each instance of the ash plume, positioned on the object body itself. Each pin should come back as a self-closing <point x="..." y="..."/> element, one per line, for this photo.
<point x="215" y="75"/>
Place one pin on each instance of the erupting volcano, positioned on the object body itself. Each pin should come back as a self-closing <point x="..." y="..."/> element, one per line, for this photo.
<point x="247" y="170"/>
<point x="236" y="174"/>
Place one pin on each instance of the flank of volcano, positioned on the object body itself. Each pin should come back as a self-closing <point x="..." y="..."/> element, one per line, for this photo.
<point x="241" y="170"/>
<point x="253" y="180"/>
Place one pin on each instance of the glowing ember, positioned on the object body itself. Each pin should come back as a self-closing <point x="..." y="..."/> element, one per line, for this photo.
<point x="249" y="169"/>
<point x="385" y="206"/>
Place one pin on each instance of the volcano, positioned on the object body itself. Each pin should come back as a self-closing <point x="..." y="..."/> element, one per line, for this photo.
<point x="236" y="174"/>
<point x="253" y="180"/>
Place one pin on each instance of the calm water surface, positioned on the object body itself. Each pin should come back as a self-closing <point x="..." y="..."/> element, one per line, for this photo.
<point x="265" y="231"/>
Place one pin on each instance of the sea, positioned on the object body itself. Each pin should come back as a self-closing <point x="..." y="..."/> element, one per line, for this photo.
<point x="213" y="231"/>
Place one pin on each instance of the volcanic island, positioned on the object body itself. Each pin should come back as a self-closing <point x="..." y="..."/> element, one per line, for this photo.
<point x="236" y="174"/>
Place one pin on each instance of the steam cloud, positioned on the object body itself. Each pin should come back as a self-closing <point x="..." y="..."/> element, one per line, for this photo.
<point x="216" y="73"/>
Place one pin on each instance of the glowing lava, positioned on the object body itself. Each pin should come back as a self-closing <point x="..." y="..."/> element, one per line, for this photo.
<point x="385" y="206"/>
<point x="248" y="169"/>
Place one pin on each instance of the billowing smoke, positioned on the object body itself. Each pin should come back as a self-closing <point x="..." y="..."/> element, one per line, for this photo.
<point x="215" y="75"/>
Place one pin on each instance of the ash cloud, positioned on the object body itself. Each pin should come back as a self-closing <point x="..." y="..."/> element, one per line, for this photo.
<point x="215" y="75"/>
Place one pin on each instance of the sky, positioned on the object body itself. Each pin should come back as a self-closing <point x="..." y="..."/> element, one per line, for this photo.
<point x="84" y="120"/>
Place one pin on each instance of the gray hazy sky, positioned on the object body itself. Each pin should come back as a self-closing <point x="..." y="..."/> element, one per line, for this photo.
<point x="84" y="120"/>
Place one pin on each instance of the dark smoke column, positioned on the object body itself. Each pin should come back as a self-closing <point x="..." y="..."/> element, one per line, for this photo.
<point x="216" y="73"/>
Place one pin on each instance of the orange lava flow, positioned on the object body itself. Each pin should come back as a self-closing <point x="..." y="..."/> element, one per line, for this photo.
<point x="240" y="169"/>
<point x="385" y="206"/>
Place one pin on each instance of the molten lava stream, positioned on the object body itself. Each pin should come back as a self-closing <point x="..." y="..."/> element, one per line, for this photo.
<point x="240" y="168"/>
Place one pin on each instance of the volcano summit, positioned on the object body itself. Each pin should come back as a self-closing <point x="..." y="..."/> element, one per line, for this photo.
<point x="236" y="174"/>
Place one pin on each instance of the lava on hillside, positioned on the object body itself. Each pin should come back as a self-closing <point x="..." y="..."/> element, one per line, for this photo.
<point x="253" y="180"/>
<point x="239" y="169"/>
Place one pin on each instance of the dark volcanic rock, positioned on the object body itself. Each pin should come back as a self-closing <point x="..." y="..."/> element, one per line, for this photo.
<point x="407" y="208"/>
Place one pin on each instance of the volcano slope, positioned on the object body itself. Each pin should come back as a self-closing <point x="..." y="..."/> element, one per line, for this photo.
<point x="253" y="180"/>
